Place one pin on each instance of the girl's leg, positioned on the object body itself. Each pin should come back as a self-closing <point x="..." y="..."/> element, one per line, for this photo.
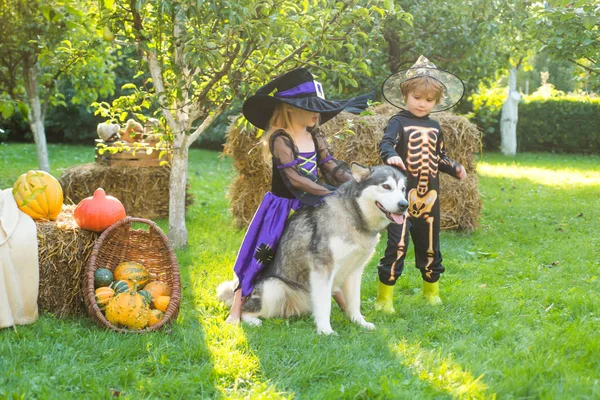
<point x="235" y="314"/>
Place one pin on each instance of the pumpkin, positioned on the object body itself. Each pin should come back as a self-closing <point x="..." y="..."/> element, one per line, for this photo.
<point x="39" y="195"/>
<point x="129" y="310"/>
<point x="98" y="212"/>
<point x="103" y="296"/>
<point x="147" y="297"/>
<point x="158" y="288"/>
<point x="102" y="277"/>
<point x="121" y="286"/>
<point x="155" y="317"/>
<point x="132" y="271"/>
<point x="162" y="302"/>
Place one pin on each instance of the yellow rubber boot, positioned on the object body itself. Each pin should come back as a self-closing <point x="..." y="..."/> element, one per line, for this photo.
<point x="431" y="291"/>
<point x="385" y="298"/>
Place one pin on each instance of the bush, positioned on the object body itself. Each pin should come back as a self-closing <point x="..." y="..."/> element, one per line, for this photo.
<point x="568" y="124"/>
<point x="563" y="124"/>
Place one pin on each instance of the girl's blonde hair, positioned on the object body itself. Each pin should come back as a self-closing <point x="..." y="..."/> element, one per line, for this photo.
<point x="423" y="84"/>
<point x="281" y="119"/>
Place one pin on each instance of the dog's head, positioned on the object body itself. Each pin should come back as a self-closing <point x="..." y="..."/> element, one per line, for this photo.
<point x="382" y="192"/>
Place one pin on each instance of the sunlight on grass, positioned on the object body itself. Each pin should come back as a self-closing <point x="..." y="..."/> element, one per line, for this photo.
<point x="441" y="373"/>
<point x="237" y="371"/>
<point x="542" y="176"/>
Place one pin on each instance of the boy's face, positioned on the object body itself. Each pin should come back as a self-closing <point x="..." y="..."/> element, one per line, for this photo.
<point x="419" y="103"/>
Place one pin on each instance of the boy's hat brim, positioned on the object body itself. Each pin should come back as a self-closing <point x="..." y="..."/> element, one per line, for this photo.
<point x="296" y="88"/>
<point x="454" y="87"/>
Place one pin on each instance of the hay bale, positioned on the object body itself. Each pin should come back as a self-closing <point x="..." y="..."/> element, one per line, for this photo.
<point x="144" y="191"/>
<point x="63" y="250"/>
<point x="356" y="138"/>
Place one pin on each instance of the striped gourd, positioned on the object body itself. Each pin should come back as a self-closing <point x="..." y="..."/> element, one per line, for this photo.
<point x="132" y="271"/>
<point x="103" y="296"/>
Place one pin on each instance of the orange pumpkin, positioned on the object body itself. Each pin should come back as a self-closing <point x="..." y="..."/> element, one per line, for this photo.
<point x="158" y="288"/>
<point x="162" y="302"/>
<point x="39" y="195"/>
<point x="98" y="212"/>
<point x="155" y="317"/>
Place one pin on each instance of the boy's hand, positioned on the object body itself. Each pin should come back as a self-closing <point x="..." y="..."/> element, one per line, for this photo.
<point x="396" y="160"/>
<point x="461" y="173"/>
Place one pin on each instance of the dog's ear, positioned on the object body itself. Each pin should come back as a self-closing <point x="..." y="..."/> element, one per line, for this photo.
<point x="360" y="172"/>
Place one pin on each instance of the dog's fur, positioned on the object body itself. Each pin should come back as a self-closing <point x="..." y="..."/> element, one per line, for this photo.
<point x="324" y="250"/>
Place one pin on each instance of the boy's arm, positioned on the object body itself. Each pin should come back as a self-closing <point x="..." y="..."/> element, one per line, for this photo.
<point x="445" y="163"/>
<point x="387" y="146"/>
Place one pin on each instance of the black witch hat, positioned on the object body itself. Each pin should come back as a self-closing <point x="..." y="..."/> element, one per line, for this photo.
<point x="297" y="88"/>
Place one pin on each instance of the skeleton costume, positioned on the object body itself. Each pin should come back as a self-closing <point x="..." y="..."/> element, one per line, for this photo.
<point x="295" y="181"/>
<point x="419" y="142"/>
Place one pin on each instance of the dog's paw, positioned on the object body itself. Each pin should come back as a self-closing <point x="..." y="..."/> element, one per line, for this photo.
<point x="326" y="331"/>
<point x="368" y="325"/>
<point x="362" y="322"/>
<point x="255" y="321"/>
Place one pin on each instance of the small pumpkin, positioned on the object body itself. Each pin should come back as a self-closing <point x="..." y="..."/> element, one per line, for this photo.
<point x="162" y="302"/>
<point x="103" y="296"/>
<point x="98" y="212"/>
<point x="39" y="195"/>
<point x="147" y="297"/>
<point x="158" y="288"/>
<point x="102" y="277"/>
<point x="155" y="317"/>
<point x="129" y="310"/>
<point x="132" y="271"/>
<point x="121" y="286"/>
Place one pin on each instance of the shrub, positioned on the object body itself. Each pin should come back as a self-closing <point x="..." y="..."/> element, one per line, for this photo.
<point x="560" y="124"/>
<point x="568" y="124"/>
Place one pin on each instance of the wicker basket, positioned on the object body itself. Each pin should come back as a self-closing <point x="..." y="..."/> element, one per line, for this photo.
<point x="119" y="243"/>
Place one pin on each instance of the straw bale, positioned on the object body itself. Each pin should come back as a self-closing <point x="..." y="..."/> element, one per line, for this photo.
<point x="356" y="138"/>
<point x="63" y="250"/>
<point x="144" y="191"/>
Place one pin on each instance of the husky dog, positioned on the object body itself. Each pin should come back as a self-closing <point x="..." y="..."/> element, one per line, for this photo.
<point x="324" y="250"/>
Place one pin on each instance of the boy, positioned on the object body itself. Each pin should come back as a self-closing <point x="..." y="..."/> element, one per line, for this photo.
<point x="413" y="142"/>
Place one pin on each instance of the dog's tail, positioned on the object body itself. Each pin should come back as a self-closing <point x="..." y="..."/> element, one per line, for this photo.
<point x="225" y="292"/>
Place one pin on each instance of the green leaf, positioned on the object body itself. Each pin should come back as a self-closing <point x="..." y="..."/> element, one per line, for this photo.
<point x="6" y="109"/>
<point x="588" y="22"/>
<point x="128" y="86"/>
<point x="123" y="116"/>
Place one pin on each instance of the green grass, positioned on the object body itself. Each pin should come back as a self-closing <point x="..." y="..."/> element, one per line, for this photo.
<point x="520" y="318"/>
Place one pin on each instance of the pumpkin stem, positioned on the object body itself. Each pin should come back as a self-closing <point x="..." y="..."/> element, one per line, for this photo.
<point x="135" y="286"/>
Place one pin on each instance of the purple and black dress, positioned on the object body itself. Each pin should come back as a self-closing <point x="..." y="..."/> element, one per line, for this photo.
<point x="295" y="183"/>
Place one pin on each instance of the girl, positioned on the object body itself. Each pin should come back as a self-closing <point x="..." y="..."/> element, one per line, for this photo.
<point x="290" y="119"/>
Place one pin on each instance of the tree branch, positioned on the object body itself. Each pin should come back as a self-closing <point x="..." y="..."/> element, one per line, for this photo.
<point x="588" y="69"/>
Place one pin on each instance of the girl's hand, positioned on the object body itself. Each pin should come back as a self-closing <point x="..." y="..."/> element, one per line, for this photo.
<point x="462" y="174"/>
<point x="396" y="160"/>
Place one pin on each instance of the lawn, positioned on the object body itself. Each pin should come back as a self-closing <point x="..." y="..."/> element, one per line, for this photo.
<point x="520" y="319"/>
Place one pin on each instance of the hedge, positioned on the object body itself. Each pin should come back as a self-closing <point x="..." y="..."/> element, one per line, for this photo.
<point x="566" y="124"/>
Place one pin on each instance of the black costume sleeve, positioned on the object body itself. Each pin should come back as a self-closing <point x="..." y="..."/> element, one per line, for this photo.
<point x="335" y="172"/>
<point x="305" y="187"/>
<point x="390" y="137"/>
<point x="445" y="163"/>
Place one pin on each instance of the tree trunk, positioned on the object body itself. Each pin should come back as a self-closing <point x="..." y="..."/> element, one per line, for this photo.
<point x="178" y="233"/>
<point x="36" y="116"/>
<point x="509" y="117"/>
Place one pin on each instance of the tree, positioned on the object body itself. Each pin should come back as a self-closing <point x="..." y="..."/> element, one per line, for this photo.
<point x="569" y="30"/>
<point x="203" y="54"/>
<point x="45" y="42"/>
<point x="461" y="37"/>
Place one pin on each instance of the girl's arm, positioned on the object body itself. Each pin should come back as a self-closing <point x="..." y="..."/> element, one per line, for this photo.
<point x="304" y="187"/>
<point x="334" y="171"/>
